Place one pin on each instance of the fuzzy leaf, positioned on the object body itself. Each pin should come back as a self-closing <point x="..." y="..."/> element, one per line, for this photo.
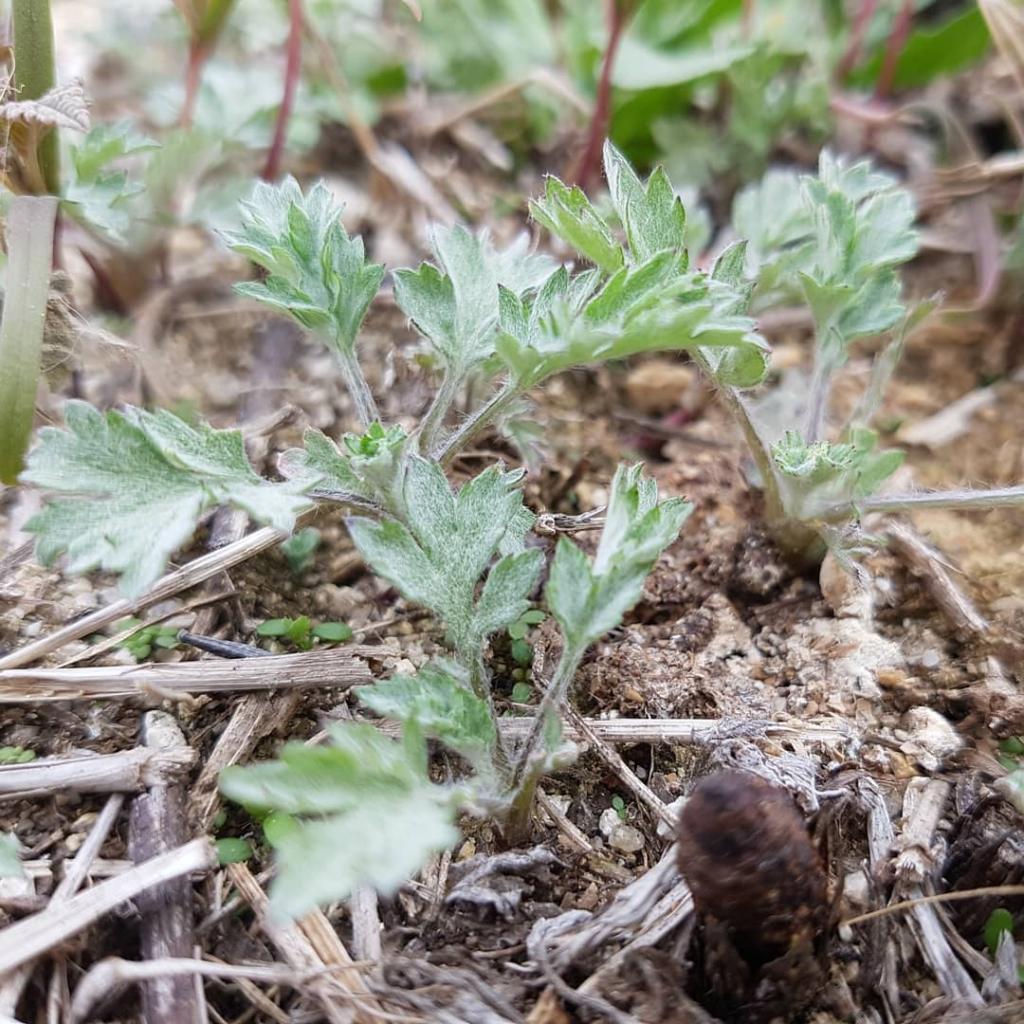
<point x="94" y="192"/>
<point x="318" y="274"/>
<point x="652" y="214"/>
<point x="588" y="599"/>
<point x="370" y="465"/>
<point x="456" y="307"/>
<point x="377" y="815"/>
<point x="568" y="214"/>
<point x="442" y="707"/>
<point x="438" y="560"/>
<point x="141" y="480"/>
<point x="380" y="843"/>
<point x="640" y="308"/>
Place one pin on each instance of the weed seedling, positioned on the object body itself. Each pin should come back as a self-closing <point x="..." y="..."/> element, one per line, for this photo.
<point x="301" y="632"/>
<point x="298" y="549"/>
<point x="141" y="643"/>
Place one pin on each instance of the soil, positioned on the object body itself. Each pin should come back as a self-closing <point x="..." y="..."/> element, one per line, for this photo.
<point x="856" y="715"/>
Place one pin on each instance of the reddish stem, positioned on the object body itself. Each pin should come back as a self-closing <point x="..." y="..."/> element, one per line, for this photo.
<point x="293" y="65"/>
<point x="198" y="54"/>
<point x="586" y="167"/>
<point x="749" y="10"/>
<point x="893" y="49"/>
<point x="849" y="59"/>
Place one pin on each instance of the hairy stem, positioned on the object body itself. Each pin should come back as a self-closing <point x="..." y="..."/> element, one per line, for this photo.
<point x="358" y="389"/>
<point x="482" y="417"/>
<point x="293" y="65"/>
<point x="30" y="228"/>
<point x="818" y="400"/>
<point x="434" y="418"/>
<point x="996" y="497"/>
<point x="35" y="74"/>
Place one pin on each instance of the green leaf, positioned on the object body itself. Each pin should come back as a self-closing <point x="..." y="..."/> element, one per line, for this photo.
<point x="232" y="850"/>
<point x="439" y="558"/>
<point x="299" y="547"/>
<point x="932" y="51"/>
<point x="141" y="481"/>
<point x="10" y="861"/>
<point x="522" y="693"/>
<point x="379" y="844"/>
<point x="999" y="921"/>
<point x="16" y="755"/>
<point x="456" y="307"/>
<point x="96" y="194"/>
<point x="442" y="706"/>
<point x="317" y="273"/>
<point x="522" y="653"/>
<point x="588" y="599"/>
<point x="274" y="627"/>
<point x="375" y="816"/>
<point x="568" y="214"/>
<point x="652" y="215"/>
<point x="648" y="307"/>
<point x="333" y="632"/>
<point x="639" y="66"/>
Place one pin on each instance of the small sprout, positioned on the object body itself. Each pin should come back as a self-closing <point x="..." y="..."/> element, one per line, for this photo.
<point x="141" y="643"/>
<point x="522" y="653"/>
<point x="521" y="693"/>
<point x="299" y="547"/>
<point x="232" y="850"/>
<point x="619" y="806"/>
<point x="999" y="921"/>
<point x="333" y="632"/>
<point x="277" y="825"/>
<point x="16" y="755"/>
<point x="301" y="632"/>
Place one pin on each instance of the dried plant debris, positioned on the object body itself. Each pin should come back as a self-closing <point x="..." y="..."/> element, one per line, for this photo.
<point x="761" y="894"/>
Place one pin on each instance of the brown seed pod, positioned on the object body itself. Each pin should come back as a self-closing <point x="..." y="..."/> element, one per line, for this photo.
<point x="746" y="855"/>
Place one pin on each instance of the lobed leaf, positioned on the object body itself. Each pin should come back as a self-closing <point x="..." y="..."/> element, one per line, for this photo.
<point x="377" y="815"/>
<point x="317" y="273"/>
<point x="590" y="598"/>
<point x="140" y="482"/>
<point x="441" y="706"/>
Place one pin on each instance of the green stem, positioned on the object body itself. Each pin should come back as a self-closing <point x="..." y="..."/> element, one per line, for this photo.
<point x="516" y="828"/>
<point x="996" y="497"/>
<point x="486" y="414"/>
<point x="30" y="228"/>
<point x="35" y="74"/>
<point x="358" y="389"/>
<point x="434" y="419"/>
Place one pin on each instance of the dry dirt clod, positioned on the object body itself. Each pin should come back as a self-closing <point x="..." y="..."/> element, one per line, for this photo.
<point x="760" y="890"/>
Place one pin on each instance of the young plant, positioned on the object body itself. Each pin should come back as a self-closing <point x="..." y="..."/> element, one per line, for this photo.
<point x="365" y="785"/>
<point x="301" y="632"/>
<point x="141" y="643"/>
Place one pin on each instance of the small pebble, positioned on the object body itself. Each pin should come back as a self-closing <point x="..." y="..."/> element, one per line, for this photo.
<point x="626" y="839"/>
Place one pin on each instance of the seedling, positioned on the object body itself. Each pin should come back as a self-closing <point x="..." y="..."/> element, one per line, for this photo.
<point x="233" y="850"/>
<point x="301" y="632"/>
<point x="16" y="755"/>
<point x="298" y="549"/>
<point x="619" y="806"/>
<point x="141" y="643"/>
